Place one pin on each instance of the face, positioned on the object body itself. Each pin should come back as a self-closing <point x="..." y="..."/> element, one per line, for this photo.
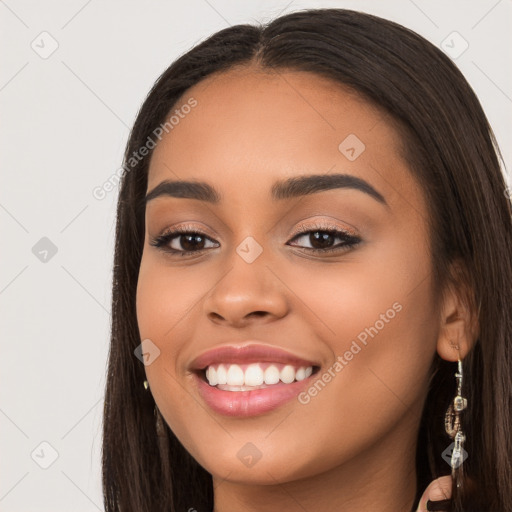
<point x="335" y="273"/>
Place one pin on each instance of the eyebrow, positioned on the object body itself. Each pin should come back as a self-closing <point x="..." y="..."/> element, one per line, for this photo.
<point x="286" y="189"/>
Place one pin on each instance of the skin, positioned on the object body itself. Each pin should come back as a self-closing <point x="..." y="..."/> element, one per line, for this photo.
<point x="352" y="447"/>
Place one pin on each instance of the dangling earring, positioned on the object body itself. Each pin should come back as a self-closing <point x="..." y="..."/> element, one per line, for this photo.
<point x="453" y="426"/>
<point x="159" y="421"/>
<point x="160" y="426"/>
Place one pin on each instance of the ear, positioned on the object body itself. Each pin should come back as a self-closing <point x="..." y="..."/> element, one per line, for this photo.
<point x="458" y="316"/>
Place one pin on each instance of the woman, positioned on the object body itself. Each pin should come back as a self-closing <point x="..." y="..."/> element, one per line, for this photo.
<point x="312" y="279"/>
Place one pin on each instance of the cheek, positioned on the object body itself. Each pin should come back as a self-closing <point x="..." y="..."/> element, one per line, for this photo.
<point x="165" y="306"/>
<point x="380" y="298"/>
<point x="166" y="299"/>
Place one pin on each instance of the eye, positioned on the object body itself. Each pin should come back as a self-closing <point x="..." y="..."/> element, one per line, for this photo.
<point x="186" y="240"/>
<point x="182" y="240"/>
<point x="322" y="239"/>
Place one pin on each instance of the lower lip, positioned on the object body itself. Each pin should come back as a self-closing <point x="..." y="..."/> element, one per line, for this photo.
<point x="250" y="403"/>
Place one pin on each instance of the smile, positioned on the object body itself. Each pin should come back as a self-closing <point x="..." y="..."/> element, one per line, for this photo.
<point x="246" y="377"/>
<point x="250" y="378"/>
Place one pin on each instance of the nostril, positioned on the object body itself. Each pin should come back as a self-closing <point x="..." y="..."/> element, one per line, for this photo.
<point x="257" y="314"/>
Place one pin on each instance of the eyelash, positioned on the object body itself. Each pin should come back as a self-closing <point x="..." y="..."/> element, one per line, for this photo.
<point x="349" y="240"/>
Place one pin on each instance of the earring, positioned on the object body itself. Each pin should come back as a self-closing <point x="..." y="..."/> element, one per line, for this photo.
<point x="159" y="421"/>
<point x="453" y="424"/>
<point x="160" y="426"/>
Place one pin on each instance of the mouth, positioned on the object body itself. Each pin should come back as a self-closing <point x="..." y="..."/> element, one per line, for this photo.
<point x="250" y="380"/>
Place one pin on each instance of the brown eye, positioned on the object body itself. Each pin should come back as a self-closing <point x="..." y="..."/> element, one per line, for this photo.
<point x="323" y="240"/>
<point x="190" y="242"/>
<point x="182" y="241"/>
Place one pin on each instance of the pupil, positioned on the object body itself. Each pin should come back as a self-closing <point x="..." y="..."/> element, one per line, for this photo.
<point x="321" y="238"/>
<point x="189" y="244"/>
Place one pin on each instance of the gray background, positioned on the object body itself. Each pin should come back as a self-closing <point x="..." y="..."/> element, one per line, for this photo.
<point x="65" y="119"/>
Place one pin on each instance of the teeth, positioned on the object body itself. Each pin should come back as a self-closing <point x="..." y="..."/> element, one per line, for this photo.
<point x="211" y="376"/>
<point x="233" y="378"/>
<point x="222" y="377"/>
<point x="287" y="374"/>
<point x="253" y="375"/>
<point x="272" y="375"/>
<point x="300" y="374"/>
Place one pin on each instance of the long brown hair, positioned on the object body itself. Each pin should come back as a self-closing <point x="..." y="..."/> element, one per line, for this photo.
<point x="450" y="149"/>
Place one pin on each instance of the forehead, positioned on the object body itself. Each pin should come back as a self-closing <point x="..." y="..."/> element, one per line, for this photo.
<point x="253" y="127"/>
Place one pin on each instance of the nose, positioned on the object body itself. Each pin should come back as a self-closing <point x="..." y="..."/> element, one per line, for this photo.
<point x="247" y="292"/>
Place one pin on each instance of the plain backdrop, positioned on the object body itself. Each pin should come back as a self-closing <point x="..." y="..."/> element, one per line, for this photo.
<point x="72" y="77"/>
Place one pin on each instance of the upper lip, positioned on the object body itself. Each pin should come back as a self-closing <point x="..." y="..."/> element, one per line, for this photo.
<point x="248" y="353"/>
